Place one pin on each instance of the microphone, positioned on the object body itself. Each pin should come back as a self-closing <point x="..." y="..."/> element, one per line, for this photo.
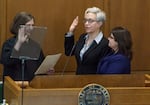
<point x="67" y="61"/>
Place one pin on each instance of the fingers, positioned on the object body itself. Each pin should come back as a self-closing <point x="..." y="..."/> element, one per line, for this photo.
<point x="75" y="21"/>
<point x="74" y="24"/>
<point x="22" y="37"/>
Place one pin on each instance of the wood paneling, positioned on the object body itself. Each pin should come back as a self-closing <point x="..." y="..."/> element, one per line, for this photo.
<point x="134" y="15"/>
<point x="2" y="28"/>
<point x="2" y="21"/>
<point x="78" y="81"/>
<point x="69" y="96"/>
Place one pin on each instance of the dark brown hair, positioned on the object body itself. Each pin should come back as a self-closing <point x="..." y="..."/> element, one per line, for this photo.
<point x="20" y="19"/>
<point x="124" y="39"/>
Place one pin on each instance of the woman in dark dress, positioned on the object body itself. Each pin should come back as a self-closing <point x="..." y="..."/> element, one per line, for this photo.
<point x="19" y="46"/>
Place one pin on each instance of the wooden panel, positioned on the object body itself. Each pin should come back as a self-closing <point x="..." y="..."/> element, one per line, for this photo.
<point x="78" y="81"/>
<point x="134" y="15"/>
<point x="147" y="80"/>
<point x="129" y="96"/>
<point x="2" y="21"/>
<point x="2" y="28"/>
<point x="69" y="96"/>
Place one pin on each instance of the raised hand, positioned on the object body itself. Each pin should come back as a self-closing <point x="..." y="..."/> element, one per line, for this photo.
<point x="74" y="24"/>
<point x="22" y="37"/>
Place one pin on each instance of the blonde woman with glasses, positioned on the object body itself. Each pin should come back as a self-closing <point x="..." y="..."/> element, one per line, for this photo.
<point x="92" y="45"/>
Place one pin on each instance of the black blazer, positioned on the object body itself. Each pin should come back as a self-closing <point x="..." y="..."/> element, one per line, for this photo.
<point x="91" y="57"/>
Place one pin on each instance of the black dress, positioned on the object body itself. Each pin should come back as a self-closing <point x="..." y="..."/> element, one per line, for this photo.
<point x="13" y="66"/>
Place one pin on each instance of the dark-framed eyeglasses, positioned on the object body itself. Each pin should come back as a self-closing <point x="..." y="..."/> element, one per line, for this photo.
<point x="89" y="21"/>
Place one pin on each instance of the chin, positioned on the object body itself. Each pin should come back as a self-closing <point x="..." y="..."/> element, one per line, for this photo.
<point x="88" y="32"/>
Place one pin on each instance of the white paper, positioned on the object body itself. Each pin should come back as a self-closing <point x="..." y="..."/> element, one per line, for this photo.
<point x="48" y="63"/>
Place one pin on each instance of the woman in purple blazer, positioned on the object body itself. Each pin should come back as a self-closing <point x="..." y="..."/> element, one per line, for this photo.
<point x="119" y="61"/>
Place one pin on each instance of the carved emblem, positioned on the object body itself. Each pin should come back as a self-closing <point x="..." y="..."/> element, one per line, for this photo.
<point x="93" y="94"/>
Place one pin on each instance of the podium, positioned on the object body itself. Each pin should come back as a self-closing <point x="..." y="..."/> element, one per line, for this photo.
<point x="64" y="90"/>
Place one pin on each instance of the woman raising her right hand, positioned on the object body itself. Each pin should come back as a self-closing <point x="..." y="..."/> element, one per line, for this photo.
<point x="92" y="45"/>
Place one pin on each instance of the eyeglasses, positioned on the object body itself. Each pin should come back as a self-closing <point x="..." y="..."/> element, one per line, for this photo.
<point x="112" y="37"/>
<point x="89" y="21"/>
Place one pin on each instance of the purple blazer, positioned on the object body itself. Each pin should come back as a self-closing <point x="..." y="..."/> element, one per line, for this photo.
<point x="114" y="64"/>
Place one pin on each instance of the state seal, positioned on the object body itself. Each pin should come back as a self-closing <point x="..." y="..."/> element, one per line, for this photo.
<point x="93" y="94"/>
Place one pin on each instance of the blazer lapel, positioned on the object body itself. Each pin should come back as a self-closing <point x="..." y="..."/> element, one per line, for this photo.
<point x="79" y="47"/>
<point x="93" y="46"/>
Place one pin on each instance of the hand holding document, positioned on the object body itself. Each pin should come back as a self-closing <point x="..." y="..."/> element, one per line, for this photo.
<point x="48" y="64"/>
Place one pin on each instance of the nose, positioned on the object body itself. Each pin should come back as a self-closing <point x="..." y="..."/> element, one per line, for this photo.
<point x="86" y="22"/>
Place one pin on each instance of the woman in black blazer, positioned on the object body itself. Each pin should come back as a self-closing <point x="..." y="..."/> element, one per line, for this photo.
<point x="92" y="45"/>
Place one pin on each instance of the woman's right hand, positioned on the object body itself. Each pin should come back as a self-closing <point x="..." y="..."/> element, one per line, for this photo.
<point x="21" y="38"/>
<point x="74" y="24"/>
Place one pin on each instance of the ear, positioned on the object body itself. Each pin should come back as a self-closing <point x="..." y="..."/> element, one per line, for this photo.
<point x="100" y="23"/>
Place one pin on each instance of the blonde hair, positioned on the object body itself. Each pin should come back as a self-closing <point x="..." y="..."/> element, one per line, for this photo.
<point x="100" y="15"/>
